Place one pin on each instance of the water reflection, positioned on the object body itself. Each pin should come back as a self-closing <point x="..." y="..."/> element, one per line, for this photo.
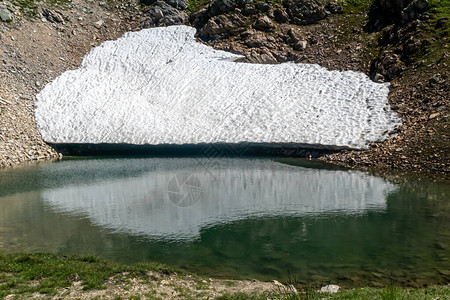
<point x="176" y="198"/>
<point x="239" y="218"/>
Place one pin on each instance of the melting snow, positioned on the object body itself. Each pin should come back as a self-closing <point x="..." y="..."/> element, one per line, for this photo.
<point x="161" y="86"/>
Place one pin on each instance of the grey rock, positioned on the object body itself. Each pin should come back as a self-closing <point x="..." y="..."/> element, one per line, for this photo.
<point x="404" y="10"/>
<point x="378" y="78"/>
<point x="300" y="45"/>
<point x="305" y="11"/>
<point x="221" y="25"/>
<point x="334" y="7"/>
<point x="413" y="10"/>
<point x="263" y="6"/>
<point x="177" y="4"/>
<point x="222" y="6"/>
<point x="442" y="22"/>
<point x="5" y="15"/>
<point x="249" y="10"/>
<point x="264" y="23"/>
<point x="388" y="65"/>
<point x="163" y="14"/>
<point x="52" y="16"/>
<point x="280" y="15"/>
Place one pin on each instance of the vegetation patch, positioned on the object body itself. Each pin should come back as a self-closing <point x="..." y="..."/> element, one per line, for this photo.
<point x="47" y="273"/>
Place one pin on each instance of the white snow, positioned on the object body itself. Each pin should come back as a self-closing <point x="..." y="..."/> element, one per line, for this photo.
<point x="226" y="190"/>
<point x="161" y="86"/>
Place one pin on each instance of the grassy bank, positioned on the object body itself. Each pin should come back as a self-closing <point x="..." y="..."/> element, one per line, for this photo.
<point x="88" y="277"/>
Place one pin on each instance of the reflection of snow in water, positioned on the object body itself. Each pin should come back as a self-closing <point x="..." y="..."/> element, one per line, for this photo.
<point x="230" y="190"/>
<point x="160" y="86"/>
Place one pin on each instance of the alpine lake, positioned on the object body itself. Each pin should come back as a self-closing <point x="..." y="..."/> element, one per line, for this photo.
<point x="254" y="217"/>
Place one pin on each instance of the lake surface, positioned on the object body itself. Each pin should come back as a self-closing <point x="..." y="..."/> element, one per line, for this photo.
<point x="236" y="218"/>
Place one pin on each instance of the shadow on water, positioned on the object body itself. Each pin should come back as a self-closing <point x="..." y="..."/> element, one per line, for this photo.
<point x="217" y="150"/>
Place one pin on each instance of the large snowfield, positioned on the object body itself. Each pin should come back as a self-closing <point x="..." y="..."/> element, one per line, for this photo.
<point x="161" y="86"/>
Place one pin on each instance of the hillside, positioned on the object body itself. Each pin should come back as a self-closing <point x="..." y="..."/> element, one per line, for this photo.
<point x="404" y="44"/>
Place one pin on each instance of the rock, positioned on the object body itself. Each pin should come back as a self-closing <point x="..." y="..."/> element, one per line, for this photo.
<point x="221" y="25"/>
<point x="222" y="6"/>
<point x="280" y="15"/>
<point x="262" y="6"/>
<point x="162" y="14"/>
<point x="388" y="65"/>
<point x="5" y="15"/>
<point x="177" y="4"/>
<point x="300" y="46"/>
<point x="264" y="23"/>
<point x="98" y="24"/>
<point x="305" y="11"/>
<point x="52" y="16"/>
<point x="413" y="10"/>
<point x="435" y="79"/>
<point x="435" y="115"/>
<point x="378" y="78"/>
<point x="441" y="23"/>
<point x="249" y="10"/>
<point x="395" y="10"/>
<point x="331" y="288"/>
<point x="334" y="7"/>
<point x="254" y="39"/>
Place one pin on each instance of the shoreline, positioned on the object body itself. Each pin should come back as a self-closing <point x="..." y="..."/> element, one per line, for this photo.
<point x="49" y="276"/>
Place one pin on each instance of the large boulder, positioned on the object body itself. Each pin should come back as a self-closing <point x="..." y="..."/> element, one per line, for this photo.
<point x="384" y="12"/>
<point x="305" y="11"/>
<point x="223" y="6"/>
<point x="163" y="14"/>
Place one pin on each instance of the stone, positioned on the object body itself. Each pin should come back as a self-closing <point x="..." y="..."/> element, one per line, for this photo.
<point x="264" y="23"/>
<point x="222" y="6"/>
<point x="263" y="6"/>
<point x="163" y="14"/>
<point x="5" y="15"/>
<point x="221" y="25"/>
<point x="280" y="15"/>
<point x="177" y="4"/>
<point x="304" y="12"/>
<point x="441" y="23"/>
<point x="334" y="7"/>
<point x="433" y="116"/>
<point x="331" y="288"/>
<point x="435" y="79"/>
<point x="52" y="16"/>
<point x="300" y="46"/>
<point x="378" y="78"/>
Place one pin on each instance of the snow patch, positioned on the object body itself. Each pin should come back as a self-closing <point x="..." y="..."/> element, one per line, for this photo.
<point x="161" y="86"/>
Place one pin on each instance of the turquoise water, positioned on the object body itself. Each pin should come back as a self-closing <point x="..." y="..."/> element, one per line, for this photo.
<point x="234" y="218"/>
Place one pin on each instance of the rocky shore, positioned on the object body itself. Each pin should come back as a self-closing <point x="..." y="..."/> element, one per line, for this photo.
<point x="404" y="42"/>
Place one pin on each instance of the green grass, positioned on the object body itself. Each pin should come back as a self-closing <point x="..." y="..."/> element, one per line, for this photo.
<point x="195" y="5"/>
<point x="46" y="273"/>
<point x="29" y="8"/>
